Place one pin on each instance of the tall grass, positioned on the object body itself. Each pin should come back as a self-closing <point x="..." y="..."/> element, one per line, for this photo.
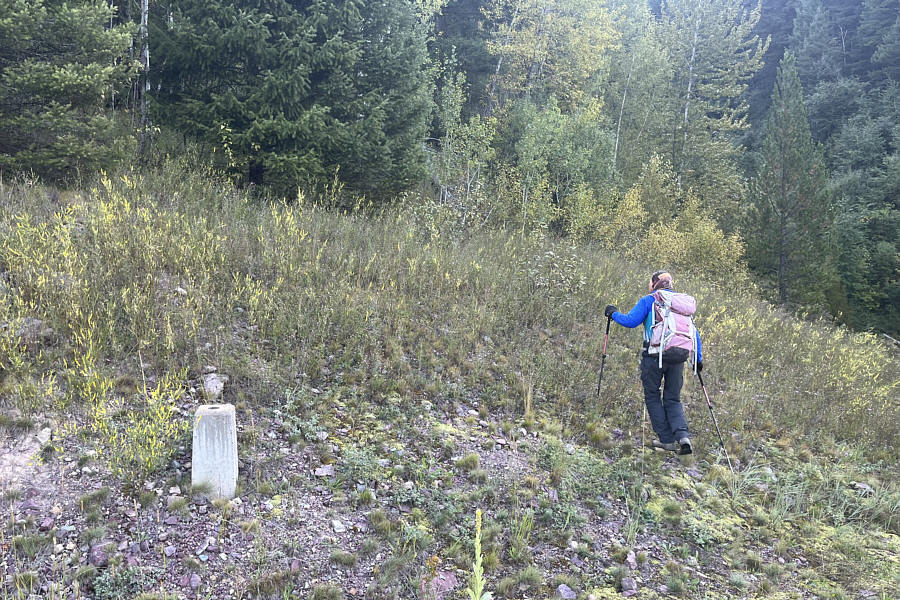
<point x="178" y="268"/>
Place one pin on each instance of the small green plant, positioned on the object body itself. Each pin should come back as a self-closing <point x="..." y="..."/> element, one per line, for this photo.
<point x="468" y="463"/>
<point x="675" y="583"/>
<point x="345" y="559"/>
<point x="380" y="522"/>
<point x="478" y="476"/>
<point x="477" y="582"/>
<point x="519" y="545"/>
<point x="119" y="583"/>
<point x="752" y="561"/>
<point x="30" y="545"/>
<point x="326" y="592"/>
<point x="737" y="581"/>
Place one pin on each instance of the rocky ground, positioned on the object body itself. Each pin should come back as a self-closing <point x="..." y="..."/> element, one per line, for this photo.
<point x="378" y="501"/>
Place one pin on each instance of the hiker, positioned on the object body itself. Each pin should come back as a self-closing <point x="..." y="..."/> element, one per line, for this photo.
<point x="670" y="339"/>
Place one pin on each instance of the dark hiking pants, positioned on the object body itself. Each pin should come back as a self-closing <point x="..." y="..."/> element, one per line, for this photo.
<point x="666" y="413"/>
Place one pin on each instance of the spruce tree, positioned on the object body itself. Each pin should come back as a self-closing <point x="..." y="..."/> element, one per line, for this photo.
<point x="292" y="93"/>
<point x="60" y="64"/>
<point x="792" y="217"/>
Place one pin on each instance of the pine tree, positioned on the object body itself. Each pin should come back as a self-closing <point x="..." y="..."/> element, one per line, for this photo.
<point x="790" y="240"/>
<point x="60" y="63"/>
<point x="293" y="92"/>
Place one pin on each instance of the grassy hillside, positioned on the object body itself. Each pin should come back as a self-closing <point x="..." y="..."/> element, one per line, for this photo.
<point x="390" y="377"/>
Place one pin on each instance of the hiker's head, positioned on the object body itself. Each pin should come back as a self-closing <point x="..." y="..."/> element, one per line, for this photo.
<point x="660" y="280"/>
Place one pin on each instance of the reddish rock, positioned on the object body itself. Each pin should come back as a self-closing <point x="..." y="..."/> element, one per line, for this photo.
<point x="441" y="586"/>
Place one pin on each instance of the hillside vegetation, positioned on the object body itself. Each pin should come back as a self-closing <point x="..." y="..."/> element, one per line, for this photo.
<point x="392" y="374"/>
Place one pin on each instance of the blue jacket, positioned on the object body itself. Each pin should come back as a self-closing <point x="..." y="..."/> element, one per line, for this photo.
<point x="643" y="313"/>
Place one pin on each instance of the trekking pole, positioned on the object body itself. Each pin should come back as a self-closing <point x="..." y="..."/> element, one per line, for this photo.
<point x="603" y="359"/>
<point x="715" y="422"/>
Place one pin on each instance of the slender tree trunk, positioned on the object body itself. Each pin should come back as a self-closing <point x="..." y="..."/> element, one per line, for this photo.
<point x="492" y="91"/>
<point x="622" y="112"/>
<point x="687" y="102"/>
<point x="145" y="140"/>
<point x="536" y="62"/>
<point x="782" y="261"/>
<point x="112" y="91"/>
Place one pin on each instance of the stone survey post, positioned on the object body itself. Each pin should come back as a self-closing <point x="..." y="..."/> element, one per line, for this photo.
<point x="214" y="463"/>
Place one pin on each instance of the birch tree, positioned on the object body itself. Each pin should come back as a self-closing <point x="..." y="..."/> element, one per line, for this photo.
<point x="714" y="53"/>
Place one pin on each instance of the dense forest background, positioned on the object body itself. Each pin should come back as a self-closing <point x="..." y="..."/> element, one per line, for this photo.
<point x="753" y="143"/>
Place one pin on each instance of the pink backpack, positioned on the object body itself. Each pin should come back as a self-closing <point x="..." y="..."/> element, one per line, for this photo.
<point x="673" y="325"/>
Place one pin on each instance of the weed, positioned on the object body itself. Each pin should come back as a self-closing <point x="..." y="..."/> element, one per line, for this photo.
<point x="271" y="584"/>
<point x="119" y="583"/>
<point x="752" y="561"/>
<point x="345" y="559"/>
<point x="616" y="575"/>
<point x="773" y="571"/>
<point x="91" y="499"/>
<point x="477" y="583"/>
<point x="326" y="592"/>
<point x="30" y="545"/>
<point x="676" y="585"/>
<point x="520" y="542"/>
<point x="468" y="463"/>
<point x="737" y="581"/>
<point x="478" y="476"/>
<point x="380" y="522"/>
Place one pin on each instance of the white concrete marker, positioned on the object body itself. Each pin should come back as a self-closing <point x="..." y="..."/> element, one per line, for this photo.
<point x="214" y="462"/>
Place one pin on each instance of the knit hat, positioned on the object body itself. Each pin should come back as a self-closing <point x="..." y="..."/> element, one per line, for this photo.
<point x="661" y="280"/>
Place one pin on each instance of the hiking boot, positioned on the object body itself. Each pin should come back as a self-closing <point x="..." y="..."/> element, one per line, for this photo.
<point x="670" y="446"/>
<point x="686" y="447"/>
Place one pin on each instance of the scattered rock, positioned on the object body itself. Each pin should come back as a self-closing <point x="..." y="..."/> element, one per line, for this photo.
<point x="631" y="561"/>
<point x="337" y="526"/>
<point x="295" y="565"/>
<point x="98" y="556"/>
<point x="169" y="551"/>
<point x="663" y="589"/>
<point x="565" y="592"/>
<point x="441" y="586"/>
<point x="203" y="547"/>
<point x="325" y="471"/>
<point x="47" y="524"/>
<point x="864" y="488"/>
<point x="693" y="472"/>
<point x="43" y="435"/>
<point x="629" y="585"/>
<point x="194" y="581"/>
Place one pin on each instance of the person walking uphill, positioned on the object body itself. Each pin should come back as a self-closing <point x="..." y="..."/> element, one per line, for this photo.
<point x="670" y="340"/>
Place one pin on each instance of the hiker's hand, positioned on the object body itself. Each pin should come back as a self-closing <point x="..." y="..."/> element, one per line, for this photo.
<point x="610" y="309"/>
<point x="699" y="366"/>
